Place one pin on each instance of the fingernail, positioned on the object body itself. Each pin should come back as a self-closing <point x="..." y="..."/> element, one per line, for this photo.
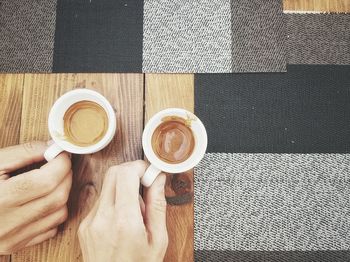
<point x="50" y="142"/>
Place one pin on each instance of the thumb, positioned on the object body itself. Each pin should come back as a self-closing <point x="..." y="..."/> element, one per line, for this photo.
<point x="16" y="157"/>
<point x="156" y="211"/>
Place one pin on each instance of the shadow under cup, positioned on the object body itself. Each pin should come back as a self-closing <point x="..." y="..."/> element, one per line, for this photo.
<point x="56" y="121"/>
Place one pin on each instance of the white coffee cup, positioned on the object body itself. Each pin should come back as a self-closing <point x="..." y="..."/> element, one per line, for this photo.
<point x="157" y="165"/>
<point x="56" y="123"/>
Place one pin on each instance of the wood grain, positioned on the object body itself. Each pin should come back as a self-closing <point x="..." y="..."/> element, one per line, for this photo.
<point x="328" y="6"/>
<point x="125" y="93"/>
<point x="11" y="87"/>
<point x="164" y="91"/>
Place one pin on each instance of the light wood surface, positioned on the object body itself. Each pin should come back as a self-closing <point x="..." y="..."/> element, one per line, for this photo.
<point x="164" y="91"/>
<point x="125" y="92"/>
<point x="327" y="6"/>
<point x="27" y="99"/>
<point x="11" y="87"/>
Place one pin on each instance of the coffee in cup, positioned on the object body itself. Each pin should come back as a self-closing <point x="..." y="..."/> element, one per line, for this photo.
<point x="174" y="141"/>
<point x="81" y="121"/>
<point x="85" y="123"/>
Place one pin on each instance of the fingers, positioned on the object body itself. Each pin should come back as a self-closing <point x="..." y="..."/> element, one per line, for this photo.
<point x="156" y="211"/>
<point x="42" y="226"/>
<point x="88" y="219"/>
<point x="37" y="231"/>
<point x="107" y="197"/>
<point x="42" y="237"/>
<point x="36" y="183"/>
<point x="46" y="205"/>
<point x="128" y="183"/>
<point x="122" y="183"/>
<point x="4" y="177"/>
<point x="15" y="157"/>
<point x="142" y="206"/>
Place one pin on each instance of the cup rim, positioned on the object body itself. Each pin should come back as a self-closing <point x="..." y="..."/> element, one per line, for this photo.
<point x="102" y="101"/>
<point x="198" y="129"/>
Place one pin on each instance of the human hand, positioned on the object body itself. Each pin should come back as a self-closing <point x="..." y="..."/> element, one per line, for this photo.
<point x="32" y="204"/>
<point x="121" y="227"/>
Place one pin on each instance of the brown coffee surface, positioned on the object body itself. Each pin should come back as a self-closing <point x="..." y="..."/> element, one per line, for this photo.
<point x="173" y="140"/>
<point x="85" y="123"/>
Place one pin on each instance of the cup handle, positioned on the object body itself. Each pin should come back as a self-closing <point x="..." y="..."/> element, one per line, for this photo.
<point x="52" y="152"/>
<point x="150" y="175"/>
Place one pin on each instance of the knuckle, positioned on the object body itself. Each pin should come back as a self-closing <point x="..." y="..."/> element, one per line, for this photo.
<point x="62" y="163"/>
<point x="63" y="215"/>
<point x="137" y="166"/>
<point x="53" y="233"/>
<point x="42" y="211"/>
<point x="140" y="163"/>
<point x="140" y="166"/>
<point x="66" y="161"/>
<point x="50" y="205"/>
<point x="23" y="185"/>
<point x="113" y="170"/>
<point x="48" y="184"/>
<point x="61" y="197"/>
<point x="33" y="146"/>
<point x="29" y="147"/>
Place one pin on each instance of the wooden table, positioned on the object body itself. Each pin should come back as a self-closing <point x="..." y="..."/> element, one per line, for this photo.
<point x="25" y="102"/>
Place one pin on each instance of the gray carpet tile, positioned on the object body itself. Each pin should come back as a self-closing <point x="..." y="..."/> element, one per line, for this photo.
<point x="305" y="110"/>
<point x="318" y="38"/>
<point x="27" y="30"/>
<point x="187" y="36"/>
<point x="271" y="256"/>
<point x="258" y="36"/>
<point x="272" y="202"/>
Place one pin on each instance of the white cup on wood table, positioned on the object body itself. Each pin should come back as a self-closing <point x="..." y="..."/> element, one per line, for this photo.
<point x="158" y="165"/>
<point x="56" y="123"/>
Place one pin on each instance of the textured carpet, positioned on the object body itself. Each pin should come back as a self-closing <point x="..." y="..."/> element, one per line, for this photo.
<point x="305" y="110"/>
<point x="258" y="37"/>
<point x="98" y="36"/>
<point x="179" y="36"/>
<point x="271" y="256"/>
<point x="187" y="36"/>
<point x="270" y="202"/>
<point x="27" y="30"/>
<point x="274" y="185"/>
<point x="318" y="39"/>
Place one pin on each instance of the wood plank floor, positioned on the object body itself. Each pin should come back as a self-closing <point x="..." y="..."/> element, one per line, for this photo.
<point x="164" y="91"/>
<point x="11" y="93"/>
<point x="29" y="97"/>
<point x="125" y="92"/>
<point x="327" y="6"/>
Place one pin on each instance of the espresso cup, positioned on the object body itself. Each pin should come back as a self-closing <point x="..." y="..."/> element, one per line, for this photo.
<point x="158" y="165"/>
<point x="56" y="123"/>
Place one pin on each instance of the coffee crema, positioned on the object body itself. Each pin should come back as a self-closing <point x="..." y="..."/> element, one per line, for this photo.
<point x="85" y="123"/>
<point x="173" y="140"/>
